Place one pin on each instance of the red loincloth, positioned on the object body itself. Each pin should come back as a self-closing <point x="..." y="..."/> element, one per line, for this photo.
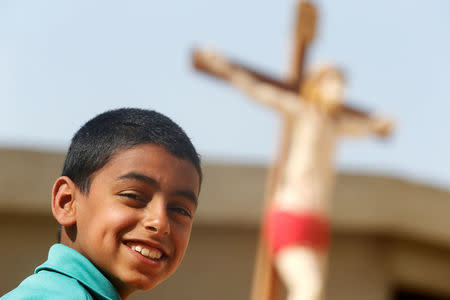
<point x="285" y="228"/>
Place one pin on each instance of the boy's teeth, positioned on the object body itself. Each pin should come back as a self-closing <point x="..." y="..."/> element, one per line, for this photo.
<point x="153" y="254"/>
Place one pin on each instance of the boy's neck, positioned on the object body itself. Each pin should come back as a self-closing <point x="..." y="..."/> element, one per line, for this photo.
<point x="123" y="291"/>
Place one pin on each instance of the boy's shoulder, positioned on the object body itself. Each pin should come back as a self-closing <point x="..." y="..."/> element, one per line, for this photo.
<point x="48" y="285"/>
<point x="65" y="275"/>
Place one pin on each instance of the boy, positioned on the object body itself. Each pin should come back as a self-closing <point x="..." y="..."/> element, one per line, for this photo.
<point x="125" y="204"/>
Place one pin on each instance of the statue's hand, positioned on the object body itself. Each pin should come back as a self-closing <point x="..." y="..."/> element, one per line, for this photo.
<point x="207" y="59"/>
<point x="383" y="127"/>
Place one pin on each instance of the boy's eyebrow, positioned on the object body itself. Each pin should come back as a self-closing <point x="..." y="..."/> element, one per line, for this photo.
<point x="148" y="180"/>
<point x="187" y="194"/>
<point x="140" y="177"/>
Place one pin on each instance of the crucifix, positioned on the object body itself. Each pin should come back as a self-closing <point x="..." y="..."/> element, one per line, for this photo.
<point x="296" y="229"/>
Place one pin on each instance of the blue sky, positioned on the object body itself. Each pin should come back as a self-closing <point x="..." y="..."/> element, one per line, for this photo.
<point x="62" y="62"/>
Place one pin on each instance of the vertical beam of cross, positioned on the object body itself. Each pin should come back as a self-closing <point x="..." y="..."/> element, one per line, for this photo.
<point x="305" y="30"/>
<point x="266" y="283"/>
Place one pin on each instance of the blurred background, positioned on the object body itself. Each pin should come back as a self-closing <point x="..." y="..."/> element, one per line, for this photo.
<point x="62" y="62"/>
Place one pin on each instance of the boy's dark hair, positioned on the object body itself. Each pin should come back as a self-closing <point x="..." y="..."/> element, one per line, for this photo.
<point x="103" y="136"/>
<point x="99" y="139"/>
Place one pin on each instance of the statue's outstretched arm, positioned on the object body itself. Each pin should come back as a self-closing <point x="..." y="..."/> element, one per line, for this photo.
<point x="359" y="125"/>
<point x="284" y="101"/>
<point x="259" y="87"/>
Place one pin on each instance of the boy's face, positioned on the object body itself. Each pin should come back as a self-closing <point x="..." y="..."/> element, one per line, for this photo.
<point x="136" y="220"/>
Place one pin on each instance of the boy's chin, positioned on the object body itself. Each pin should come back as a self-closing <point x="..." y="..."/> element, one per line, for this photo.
<point x="143" y="285"/>
<point x="126" y="285"/>
<point x="143" y="282"/>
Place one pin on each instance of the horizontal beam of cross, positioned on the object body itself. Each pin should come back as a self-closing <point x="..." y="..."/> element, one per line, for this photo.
<point x="202" y="64"/>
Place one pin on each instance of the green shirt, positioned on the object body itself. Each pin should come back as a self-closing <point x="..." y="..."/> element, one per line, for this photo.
<point x="65" y="275"/>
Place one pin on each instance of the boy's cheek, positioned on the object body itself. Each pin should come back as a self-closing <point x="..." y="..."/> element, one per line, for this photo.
<point x="123" y="217"/>
<point x="183" y="236"/>
<point x="114" y="221"/>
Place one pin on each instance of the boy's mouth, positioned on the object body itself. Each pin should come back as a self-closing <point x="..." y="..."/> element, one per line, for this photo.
<point x="146" y="251"/>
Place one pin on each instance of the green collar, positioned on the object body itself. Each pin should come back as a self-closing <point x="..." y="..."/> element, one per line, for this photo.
<point x="67" y="261"/>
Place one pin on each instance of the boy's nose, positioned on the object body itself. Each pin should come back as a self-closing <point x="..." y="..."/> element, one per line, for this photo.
<point x="156" y="218"/>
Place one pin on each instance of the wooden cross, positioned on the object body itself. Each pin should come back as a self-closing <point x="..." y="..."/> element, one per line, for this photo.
<point x="300" y="182"/>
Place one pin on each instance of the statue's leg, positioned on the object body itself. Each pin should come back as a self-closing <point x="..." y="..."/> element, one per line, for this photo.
<point x="298" y="242"/>
<point x="302" y="271"/>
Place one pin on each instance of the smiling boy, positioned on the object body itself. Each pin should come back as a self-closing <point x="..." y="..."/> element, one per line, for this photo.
<point x="125" y="204"/>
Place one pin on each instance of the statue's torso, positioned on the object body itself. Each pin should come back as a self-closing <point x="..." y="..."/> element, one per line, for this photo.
<point x="307" y="177"/>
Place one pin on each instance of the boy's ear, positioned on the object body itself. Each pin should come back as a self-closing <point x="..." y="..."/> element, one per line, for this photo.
<point x="63" y="201"/>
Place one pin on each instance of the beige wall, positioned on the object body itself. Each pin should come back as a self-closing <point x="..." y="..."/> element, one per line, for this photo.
<point x="232" y="194"/>
<point x="219" y="263"/>
<point x="387" y="232"/>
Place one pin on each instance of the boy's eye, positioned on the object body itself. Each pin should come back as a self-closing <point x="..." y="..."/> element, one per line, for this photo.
<point x="182" y="211"/>
<point x="133" y="196"/>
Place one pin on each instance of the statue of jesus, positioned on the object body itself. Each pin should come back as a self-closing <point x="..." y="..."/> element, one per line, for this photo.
<point x="296" y="224"/>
